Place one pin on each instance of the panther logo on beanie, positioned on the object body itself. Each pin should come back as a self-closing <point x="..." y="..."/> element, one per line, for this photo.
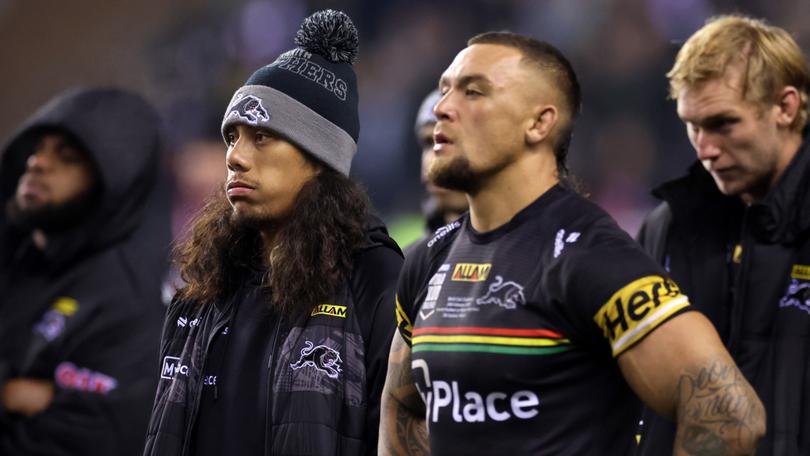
<point x="311" y="91"/>
<point x="249" y="108"/>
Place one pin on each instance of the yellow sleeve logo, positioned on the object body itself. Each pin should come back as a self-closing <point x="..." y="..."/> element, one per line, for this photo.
<point x="404" y="323"/>
<point x="637" y="309"/>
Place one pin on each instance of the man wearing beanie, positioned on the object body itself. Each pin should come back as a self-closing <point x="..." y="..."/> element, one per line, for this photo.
<point x="526" y="326"/>
<point x="81" y="260"/>
<point x="278" y="342"/>
<point x="442" y="205"/>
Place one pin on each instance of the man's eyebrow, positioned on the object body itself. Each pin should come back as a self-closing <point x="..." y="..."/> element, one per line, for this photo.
<point x="714" y="118"/>
<point x="465" y="80"/>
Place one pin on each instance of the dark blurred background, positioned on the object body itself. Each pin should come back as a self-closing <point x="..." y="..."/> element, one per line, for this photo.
<point x="188" y="57"/>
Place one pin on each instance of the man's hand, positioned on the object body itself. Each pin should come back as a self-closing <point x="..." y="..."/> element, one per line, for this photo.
<point x="27" y="396"/>
<point x="682" y="371"/>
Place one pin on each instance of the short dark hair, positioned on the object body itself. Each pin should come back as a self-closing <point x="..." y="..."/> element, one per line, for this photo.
<point x="558" y="69"/>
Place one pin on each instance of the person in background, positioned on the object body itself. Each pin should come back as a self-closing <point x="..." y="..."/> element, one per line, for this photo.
<point x="442" y="205"/>
<point x="80" y="271"/>
<point x="735" y="231"/>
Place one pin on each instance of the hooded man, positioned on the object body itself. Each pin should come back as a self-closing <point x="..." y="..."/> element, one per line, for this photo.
<point x="80" y="309"/>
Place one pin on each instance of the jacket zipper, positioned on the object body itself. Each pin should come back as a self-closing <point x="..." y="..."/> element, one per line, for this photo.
<point x="268" y="435"/>
<point x="738" y="303"/>
<point x="198" y="394"/>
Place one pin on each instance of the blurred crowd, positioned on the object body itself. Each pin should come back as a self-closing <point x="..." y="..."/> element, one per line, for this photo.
<point x="188" y="57"/>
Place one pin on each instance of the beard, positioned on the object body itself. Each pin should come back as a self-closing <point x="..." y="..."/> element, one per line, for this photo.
<point x="457" y="174"/>
<point x="53" y="218"/>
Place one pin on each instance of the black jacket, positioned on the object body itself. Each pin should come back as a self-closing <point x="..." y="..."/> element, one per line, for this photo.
<point x="748" y="270"/>
<point x="86" y="311"/>
<point x="330" y="408"/>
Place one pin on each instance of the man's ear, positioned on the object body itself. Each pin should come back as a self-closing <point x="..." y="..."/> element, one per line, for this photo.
<point x="788" y="105"/>
<point x="544" y="120"/>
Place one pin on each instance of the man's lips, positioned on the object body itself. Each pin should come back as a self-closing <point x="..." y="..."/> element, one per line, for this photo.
<point x="440" y="141"/>
<point x="239" y="188"/>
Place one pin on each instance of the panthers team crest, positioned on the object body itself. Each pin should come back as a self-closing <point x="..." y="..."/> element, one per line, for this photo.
<point x="321" y="357"/>
<point x="249" y="108"/>
<point x="798" y="291"/>
<point x="504" y="294"/>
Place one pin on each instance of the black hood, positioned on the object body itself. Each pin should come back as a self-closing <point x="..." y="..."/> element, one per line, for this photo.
<point x="120" y="132"/>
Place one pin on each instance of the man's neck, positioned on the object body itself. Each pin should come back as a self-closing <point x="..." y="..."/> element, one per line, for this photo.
<point x="512" y="190"/>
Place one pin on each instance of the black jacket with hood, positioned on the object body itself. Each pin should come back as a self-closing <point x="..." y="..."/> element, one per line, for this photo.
<point x="747" y="268"/>
<point x="85" y="312"/>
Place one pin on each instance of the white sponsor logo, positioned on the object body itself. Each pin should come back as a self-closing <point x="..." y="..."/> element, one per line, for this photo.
<point x="172" y="367"/>
<point x="183" y="321"/>
<point x="210" y="380"/>
<point x="560" y="240"/>
<point x="443" y="231"/>
<point x="445" y="400"/>
<point x="434" y="288"/>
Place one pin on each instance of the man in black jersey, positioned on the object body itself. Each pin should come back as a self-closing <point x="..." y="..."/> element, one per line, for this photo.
<point x="277" y="344"/>
<point x="525" y="327"/>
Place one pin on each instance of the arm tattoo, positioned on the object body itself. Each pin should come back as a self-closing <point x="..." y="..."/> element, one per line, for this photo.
<point x="403" y="430"/>
<point x="718" y="412"/>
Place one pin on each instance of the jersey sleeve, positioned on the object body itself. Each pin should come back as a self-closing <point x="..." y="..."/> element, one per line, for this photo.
<point x="411" y="279"/>
<point x="611" y="291"/>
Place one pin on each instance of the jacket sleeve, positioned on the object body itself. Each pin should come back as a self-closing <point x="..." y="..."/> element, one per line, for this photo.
<point x="373" y="285"/>
<point x="104" y="370"/>
<point x="653" y="232"/>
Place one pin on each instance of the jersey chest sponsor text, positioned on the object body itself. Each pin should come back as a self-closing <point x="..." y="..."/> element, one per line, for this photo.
<point x="450" y="401"/>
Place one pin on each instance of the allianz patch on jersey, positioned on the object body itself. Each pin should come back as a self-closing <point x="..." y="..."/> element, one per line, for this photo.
<point x="470" y="272"/>
<point x="638" y="308"/>
<point x="330" y="310"/>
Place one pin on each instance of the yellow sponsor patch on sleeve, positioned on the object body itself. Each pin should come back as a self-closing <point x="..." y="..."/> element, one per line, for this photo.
<point x="330" y="310"/>
<point x="404" y="323"/>
<point x="800" y="271"/>
<point x="637" y="309"/>
<point x="66" y="306"/>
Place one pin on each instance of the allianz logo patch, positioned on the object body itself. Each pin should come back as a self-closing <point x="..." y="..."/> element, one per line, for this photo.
<point x="471" y="272"/>
<point x="172" y="367"/>
<point x="330" y="310"/>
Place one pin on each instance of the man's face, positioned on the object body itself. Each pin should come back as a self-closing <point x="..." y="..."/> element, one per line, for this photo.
<point x="448" y="201"/>
<point x="736" y="140"/>
<point x="265" y="174"/>
<point x="55" y="174"/>
<point x="483" y="114"/>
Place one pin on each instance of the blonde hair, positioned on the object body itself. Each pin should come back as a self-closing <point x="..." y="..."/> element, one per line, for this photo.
<point x="769" y="58"/>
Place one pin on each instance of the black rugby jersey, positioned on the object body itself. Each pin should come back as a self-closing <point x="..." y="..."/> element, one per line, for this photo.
<point x="514" y="332"/>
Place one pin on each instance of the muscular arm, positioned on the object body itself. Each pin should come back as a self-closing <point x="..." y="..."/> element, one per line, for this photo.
<point x="682" y="371"/>
<point x="403" y="430"/>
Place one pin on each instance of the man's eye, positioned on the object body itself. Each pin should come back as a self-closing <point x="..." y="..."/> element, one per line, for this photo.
<point x="230" y="139"/>
<point x="472" y="93"/>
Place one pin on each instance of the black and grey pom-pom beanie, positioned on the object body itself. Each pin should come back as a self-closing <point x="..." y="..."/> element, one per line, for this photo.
<point x="308" y="95"/>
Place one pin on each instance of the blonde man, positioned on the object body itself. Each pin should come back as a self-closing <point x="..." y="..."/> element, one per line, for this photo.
<point x="733" y="233"/>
